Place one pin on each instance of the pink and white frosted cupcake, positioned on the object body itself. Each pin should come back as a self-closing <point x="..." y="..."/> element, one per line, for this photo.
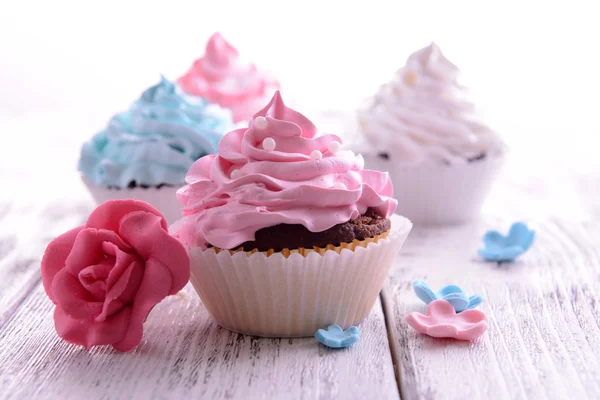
<point x="222" y="77"/>
<point x="422" y="128"/>
<point x="286" y="232"/>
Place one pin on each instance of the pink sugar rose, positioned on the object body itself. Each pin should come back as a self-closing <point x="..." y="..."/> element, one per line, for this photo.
<point x="107" y="275"/>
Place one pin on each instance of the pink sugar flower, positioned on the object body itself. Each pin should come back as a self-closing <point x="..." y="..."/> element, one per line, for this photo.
<point x="441" y="321"/>
<point x="106" y="275"/>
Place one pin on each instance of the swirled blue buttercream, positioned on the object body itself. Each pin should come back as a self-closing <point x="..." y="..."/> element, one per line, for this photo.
<point x="156" y="141"/>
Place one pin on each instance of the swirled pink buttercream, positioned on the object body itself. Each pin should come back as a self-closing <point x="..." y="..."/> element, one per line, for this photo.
<point x="277" y="171"/>
<point x="221" y="77"/>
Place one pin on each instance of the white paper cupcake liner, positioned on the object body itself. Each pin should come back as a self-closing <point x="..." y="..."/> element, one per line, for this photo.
<point x="163" y="199"/>
<point x="276" y="296"/>
<point x="440" y="194"/>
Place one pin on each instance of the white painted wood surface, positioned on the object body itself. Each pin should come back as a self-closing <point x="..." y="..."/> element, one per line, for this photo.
<point x="25" y="230"/>
<point x="185" y="354"/>
<point x="544" y="311"/>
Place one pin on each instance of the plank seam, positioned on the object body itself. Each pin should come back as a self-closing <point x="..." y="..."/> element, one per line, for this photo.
<point x="391" y="341"/>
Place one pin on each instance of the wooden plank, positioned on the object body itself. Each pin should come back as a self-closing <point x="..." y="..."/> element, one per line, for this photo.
<point x="25" y="230"/>
<point x="43" y="197"/>
<point x="184" y="354"/>
<point x="544" y="315"/>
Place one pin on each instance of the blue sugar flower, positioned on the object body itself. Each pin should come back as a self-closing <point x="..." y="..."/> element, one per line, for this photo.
<point x="498" y="247"/>
<point x="451" y="293"/>
<point x="336" y="338"/>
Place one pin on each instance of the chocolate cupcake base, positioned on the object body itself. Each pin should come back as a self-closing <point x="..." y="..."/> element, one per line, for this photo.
<point x="386" y="156"/>
<point x="134" y="184"/>
<point x="295" y="236"/>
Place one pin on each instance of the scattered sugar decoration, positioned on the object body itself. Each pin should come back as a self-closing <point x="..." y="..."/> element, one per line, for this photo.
<point x="451" y="293"/>
<point x="260" y="123"/>
<point x="316" y="155"/>
<point x="410" y="78"/>
<point x="441" y="321"/>
<point x="363" y="124"/>
<point x="269" y="144"/>
<point x="499" y="248"/>
<point x="334" y="146"/>
<point x="236" y="173"/>
<point x="337" y="338"/>
<point x="340" y="185"/>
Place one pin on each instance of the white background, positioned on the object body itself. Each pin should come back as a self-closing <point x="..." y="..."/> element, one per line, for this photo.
<point x="533" y="66"/>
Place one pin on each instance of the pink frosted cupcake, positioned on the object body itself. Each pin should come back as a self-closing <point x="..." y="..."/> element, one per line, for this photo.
<point x="221" y="77"/>
<point x="286" y="232"/>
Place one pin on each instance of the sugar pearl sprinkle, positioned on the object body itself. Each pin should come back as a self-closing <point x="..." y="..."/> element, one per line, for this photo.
<point x="316" y="155"/>
<point x="260" y="123"/>
<point x="334" y="146"/>
<point x="269" y="144"/>
<point x="410" y="78"/>
<point x="236" y="173"/>
<point x="340" y="185"/>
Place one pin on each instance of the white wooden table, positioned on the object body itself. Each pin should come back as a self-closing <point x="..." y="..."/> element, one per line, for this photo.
<point x="544" y="310"/>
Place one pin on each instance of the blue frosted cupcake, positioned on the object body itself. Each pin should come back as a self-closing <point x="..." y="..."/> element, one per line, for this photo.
<point x="145" y="152"/>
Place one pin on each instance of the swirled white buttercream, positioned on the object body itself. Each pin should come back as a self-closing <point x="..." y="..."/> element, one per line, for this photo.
<point x="423" y="115"/>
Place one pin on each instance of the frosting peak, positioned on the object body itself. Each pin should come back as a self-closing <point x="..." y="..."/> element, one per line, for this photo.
<point x="284" y="121"/>
<point x="220" y="52"/>
<point x="423" y="115"/>
<point x="277" y="171"/>
<point x="431" y="60"/>
<point x="222" y="77"/>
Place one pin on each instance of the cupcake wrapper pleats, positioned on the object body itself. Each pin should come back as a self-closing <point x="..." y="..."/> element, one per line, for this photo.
<point x="435" y="194"/>
<point x="269" y="294"/>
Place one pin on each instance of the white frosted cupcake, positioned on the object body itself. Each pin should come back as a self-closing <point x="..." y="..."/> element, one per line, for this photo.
<point x="422" y="129"/>
<point x="286" y="232"/>
<point x="145" y="152"/>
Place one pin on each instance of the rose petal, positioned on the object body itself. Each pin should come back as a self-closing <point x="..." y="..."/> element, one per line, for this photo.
<point x="109" y="214"/>
<point x="122" y="261"/>
<point x="90" y="333"/>
<point x="97" y="289"/>
<point x="87" y="249"/>
<point x="474" y="332"/>
<point x="55" y="257"/>
<point x="93" y="278"/>
<point x="441" y="309"/>
<point x="468" y="318"/>
<point x="72" y="297"/>
<point x="442" y="331"/>
<point x="417" y="320"/>
<point x="110" y="249"/>
<point x="123" y="291"/>
<point x="144" y="232"/>
<point x="155" y="287"/>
